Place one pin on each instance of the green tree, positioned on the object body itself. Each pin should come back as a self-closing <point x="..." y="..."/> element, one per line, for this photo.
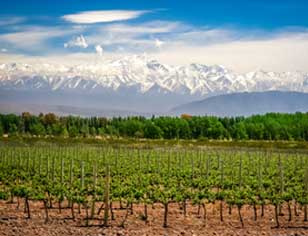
<point x="1" y="130"/>
<point x="50" y="119"/>
<point x="27" y="120"/>
<point x="84" y="130"/>
<point x="93" y="131"/>
<point x="216" y="130"/>
<point x="152" y="131"/>
<point x="65" y="132"/>
<point x="37" y="129"/>
<point x="240" y="131"/>
<point x="184" y="129"/>
<point x="111" y="130"/>
<point x="13" y="130"/>
<point x="130" y="127"/>
<point x="57" y="129"/>
<point x="73" y="131"/>
<point x="101" y="131"/>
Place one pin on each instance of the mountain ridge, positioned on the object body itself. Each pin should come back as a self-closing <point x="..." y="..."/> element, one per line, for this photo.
<point x="143" y="74"/>
<point x="134" y="83"/>
<point x="246" y="104"/>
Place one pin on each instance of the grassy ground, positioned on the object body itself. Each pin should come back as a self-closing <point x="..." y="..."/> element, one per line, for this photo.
<point x="148" y="143"/>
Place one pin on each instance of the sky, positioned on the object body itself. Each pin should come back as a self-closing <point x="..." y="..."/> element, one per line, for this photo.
<point x="239" y="34"/>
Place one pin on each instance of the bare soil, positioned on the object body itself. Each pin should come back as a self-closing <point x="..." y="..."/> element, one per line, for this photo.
<point x="13" y="222"/>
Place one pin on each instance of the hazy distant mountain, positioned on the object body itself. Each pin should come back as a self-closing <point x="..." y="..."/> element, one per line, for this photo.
<point x="133" y="83"/>
<point x="18" y="108"/>
<point x="244" y="104"/>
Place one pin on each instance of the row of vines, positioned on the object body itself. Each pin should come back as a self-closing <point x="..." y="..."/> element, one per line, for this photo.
<point x="92" y="179"/>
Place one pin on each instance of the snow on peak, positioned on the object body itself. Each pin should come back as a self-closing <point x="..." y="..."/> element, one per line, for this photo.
<point x="143" y="74"/>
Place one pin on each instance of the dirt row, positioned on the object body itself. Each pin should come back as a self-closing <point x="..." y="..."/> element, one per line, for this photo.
<point x="14" y="222"/>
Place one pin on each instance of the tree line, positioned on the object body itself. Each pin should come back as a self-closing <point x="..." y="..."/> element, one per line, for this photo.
<point x="271" y="126"/>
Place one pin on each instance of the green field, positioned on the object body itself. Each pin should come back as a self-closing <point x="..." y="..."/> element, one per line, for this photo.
<point x="131" y="172"/>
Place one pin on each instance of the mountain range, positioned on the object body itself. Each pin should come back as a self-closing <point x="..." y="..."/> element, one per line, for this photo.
<point x="135" y="84"/>
<point x="246" y="104"/>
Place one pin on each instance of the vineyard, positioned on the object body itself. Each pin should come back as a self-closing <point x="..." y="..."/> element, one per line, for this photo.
<point x="105" y="184"/>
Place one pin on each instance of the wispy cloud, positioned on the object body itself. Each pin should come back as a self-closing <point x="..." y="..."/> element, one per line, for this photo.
<point x="34" y="38"/>
<point x="91" y="17"/>
<point x="152" y="27"/>
<point x="13" y="20"/>
<point x="134" y="38"/>
<point x="285" y="51"/>
<point x="78" y="41"/>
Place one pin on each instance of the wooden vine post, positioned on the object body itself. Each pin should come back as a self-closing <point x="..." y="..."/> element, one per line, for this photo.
<point x="240" y="172"/>
<point x="221" y="167"/>
<point x="106" y="196"/>
<point x="94" y="189"/>
<point x="71" y="202"/>
<point x="281" y="179"/>
<point x="71" y="172"/>
<point x="81" y="181"/>
<point x="53" y="170"/>
<point x="306" y="194"/>
<point x="40" y="164"/>
<point x="62" y="171"/>
<point x="82" y="175"/>
<point x="47" y="166"/>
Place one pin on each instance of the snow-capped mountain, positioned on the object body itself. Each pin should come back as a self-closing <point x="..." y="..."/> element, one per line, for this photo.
<point x="145" y="75"/>
<point x="137" y="82"/>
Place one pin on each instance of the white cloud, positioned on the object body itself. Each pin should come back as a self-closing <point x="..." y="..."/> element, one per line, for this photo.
<point x="99" y="50"/>
<point x="78" y="41"/>
<point x="158" y="43"/>
<point x="3" y="50"/>
<point x="282" y="52"/>
<point x="90" y="17"/>
<point x="33" y="38"/>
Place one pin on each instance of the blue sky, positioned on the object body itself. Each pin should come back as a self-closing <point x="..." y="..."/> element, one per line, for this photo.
<point x="243" y="35"/>
<point x="268" y="14"/>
